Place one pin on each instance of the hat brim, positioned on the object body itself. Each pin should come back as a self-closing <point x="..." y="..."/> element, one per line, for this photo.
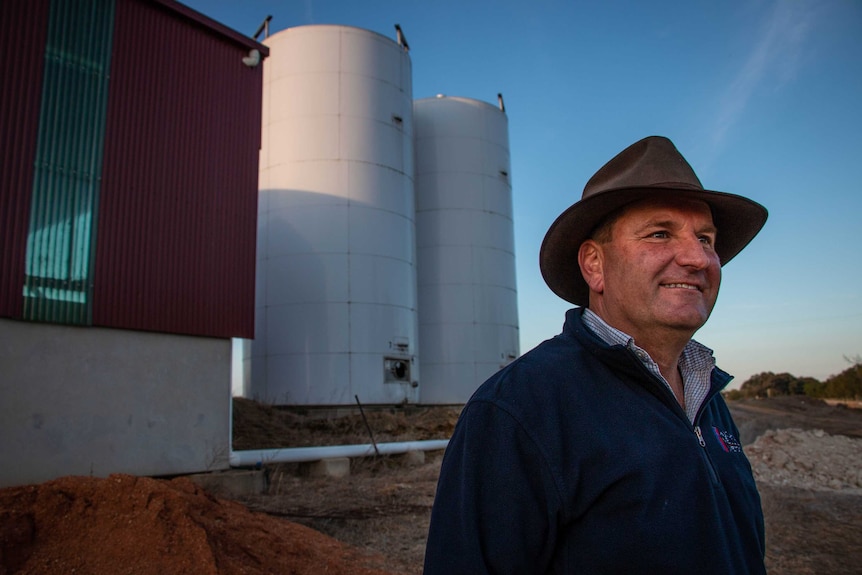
<point x="737" y="219"/>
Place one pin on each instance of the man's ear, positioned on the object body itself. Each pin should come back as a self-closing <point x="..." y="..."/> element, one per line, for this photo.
<point x="591" y="260"/>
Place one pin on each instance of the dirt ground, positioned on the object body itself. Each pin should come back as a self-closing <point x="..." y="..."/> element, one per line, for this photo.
<point x="806" y="455"/>
<point x="384" y="505"/>
<point x="807" y="459"/>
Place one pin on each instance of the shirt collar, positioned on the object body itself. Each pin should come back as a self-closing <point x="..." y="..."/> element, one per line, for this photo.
<point x="695" y="364"/>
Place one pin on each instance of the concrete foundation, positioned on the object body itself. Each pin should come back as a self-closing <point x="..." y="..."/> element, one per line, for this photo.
<point x="414" y="458"/>
<point x="337" y="467"/>
<point x="95" y="401"/>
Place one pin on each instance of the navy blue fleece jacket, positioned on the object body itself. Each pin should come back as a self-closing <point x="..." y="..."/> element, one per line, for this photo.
<point x="576" y="459"/>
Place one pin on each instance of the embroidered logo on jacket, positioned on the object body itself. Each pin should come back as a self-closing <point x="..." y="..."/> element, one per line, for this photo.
<point x="727" y="440"/>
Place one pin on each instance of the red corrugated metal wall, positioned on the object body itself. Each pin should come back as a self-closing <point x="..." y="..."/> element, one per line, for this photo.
<point x="178" y="204"/>
<point x="23" y="26"/>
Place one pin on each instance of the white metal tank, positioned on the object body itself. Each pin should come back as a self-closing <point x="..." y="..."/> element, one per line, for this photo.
<point x="335" y="305"/>
<point x="468" y="310"/>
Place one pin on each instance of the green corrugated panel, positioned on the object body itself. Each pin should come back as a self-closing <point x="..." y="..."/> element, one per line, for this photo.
<point x="62" y="236"/>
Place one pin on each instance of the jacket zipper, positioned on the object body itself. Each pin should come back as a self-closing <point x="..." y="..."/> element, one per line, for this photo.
<point x="699" y="436"/>
<point x="712" y="472"/>
<point x="667" y="397"/>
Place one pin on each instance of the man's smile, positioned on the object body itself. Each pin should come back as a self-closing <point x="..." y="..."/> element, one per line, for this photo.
<point x="681" y="285"/>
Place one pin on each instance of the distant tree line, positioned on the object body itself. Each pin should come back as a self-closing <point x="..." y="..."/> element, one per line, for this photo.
<point x="845" y="385"/>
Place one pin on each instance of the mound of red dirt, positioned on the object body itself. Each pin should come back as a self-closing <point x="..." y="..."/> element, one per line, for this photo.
<point x="136" y="525"/>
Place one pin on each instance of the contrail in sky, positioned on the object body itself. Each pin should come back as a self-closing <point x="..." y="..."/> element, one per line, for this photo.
<point x="774" y="58"/>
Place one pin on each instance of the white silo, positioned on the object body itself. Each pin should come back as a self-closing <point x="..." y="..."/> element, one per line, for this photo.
<point x="468" y="311"/>
<point x="335" y="305"/>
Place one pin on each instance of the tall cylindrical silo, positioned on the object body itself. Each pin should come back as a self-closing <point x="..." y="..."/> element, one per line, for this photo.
<point x="336" y="314"/>
<point x="468" y="311"/>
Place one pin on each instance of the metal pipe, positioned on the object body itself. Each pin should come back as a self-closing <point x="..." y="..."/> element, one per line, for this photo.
<point x="264" y="27"/>
<point x="367" y="425"/>
<point x="305" y="454"/>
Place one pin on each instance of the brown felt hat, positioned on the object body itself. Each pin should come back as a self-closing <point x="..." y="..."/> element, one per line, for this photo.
<point x="649" y="168"/>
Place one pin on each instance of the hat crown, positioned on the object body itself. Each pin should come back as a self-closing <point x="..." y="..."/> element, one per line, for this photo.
<point x="651" y="162"/>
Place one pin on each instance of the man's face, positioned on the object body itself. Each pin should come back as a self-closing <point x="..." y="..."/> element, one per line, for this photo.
<point x="659" y="270"/>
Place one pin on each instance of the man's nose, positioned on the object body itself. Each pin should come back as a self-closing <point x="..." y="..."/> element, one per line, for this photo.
<point x="693" y="252"/>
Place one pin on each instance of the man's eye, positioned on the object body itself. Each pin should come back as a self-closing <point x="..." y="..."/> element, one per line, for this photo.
<point x="706" y="240"/>
<point x="661" y="235"/>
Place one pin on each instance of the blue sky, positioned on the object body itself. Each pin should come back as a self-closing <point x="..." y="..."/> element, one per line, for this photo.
<point x="763" y="97"/>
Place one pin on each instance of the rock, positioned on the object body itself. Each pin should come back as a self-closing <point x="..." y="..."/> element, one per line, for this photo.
<point x="807" y="459"/>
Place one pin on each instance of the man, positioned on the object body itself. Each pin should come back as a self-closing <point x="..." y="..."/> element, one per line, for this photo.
<point x="609" y="449"/>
